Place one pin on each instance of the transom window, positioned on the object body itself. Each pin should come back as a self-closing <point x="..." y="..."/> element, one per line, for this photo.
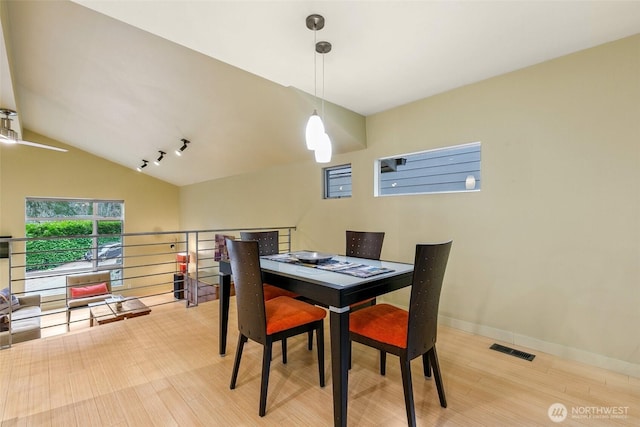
<point x="337" y="182"/>
<point x="443" y="170"/>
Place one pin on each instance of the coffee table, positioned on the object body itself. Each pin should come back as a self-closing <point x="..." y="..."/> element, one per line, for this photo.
<point x="106" y="311"/>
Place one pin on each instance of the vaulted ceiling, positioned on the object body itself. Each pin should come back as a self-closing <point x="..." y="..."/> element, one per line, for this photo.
<point x="125" y="79"/>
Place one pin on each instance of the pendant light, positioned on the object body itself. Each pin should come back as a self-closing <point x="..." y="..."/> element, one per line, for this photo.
<point x="323" y="149"/>
<point x="314" y="131"/>
<point x="315" y="134"/>
<point x="315" y="127"/>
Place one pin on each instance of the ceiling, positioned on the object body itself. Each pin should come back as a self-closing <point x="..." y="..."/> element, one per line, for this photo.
<point x="125" y="79"/>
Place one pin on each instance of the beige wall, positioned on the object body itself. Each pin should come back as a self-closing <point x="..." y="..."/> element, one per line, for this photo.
<point x="150" y="204"/>
<point x="547" y="255"/>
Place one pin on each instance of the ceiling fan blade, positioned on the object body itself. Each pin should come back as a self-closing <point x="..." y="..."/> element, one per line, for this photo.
<point x="9" y="136"/>
<point x="48" y="147"/>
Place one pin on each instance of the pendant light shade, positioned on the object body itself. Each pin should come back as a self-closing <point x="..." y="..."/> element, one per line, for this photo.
<point x="323" y="150"/>
<point x="314" y="132"/>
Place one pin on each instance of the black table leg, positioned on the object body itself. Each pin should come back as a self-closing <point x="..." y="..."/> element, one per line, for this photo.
<point x="225" y="291"/>
<point x="339" y="321"/>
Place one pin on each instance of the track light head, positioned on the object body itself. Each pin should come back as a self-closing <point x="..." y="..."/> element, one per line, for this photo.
<point x="159" y="159"/>
<point x="184" y="146"/>
<point x="143" y="165"/>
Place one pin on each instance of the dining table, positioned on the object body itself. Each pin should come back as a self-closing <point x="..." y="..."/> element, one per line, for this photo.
<point x="331" y="287"/>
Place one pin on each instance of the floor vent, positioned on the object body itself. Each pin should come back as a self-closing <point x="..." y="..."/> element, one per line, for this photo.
<point x="512" y="352"/>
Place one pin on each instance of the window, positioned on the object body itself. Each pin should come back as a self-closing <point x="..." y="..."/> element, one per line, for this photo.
<point x="46" y="217"/>
<point x="337" y="182"/>
<point x="443" y="170"/>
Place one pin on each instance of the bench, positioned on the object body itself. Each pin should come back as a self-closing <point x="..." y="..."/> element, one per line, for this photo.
<point x="85" y="288"/>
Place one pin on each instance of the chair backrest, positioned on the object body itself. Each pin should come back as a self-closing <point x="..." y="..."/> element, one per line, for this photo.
<point x="88" y="279"/>
<point x="245" y="267"/>
<point x="267" y="240"/>
<point x="428" y="274"/>
<point x="364" y="244"/>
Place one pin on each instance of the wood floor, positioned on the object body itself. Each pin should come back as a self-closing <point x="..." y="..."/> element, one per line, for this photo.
<point x="163" y="370"/>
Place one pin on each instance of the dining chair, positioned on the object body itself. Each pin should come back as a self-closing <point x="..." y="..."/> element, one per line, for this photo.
<point x="364" y="244"/>
<point x="266" y="322"/>
<point x="268" y="244"/>
<point x="412" y="333"/>
<point x="361" y="244"/>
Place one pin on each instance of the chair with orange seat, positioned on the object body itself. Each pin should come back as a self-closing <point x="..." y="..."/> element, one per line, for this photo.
<point x="409" y="334"/>
<point x="268" y="321"/>
<point x="268" y="245"/>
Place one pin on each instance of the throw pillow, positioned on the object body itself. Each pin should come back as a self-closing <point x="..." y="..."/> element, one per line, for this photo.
<point x="89" y="291"/>
<point x="8" y="301"/>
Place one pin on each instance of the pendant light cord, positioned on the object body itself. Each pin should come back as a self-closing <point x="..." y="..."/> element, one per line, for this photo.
<point x="315" y="66"/>
<point x="323" y="87"/>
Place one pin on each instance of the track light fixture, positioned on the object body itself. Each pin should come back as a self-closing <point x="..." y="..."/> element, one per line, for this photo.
<point x="184" y="146"/>
<point x="143" y="165"/>
<point x="157" y="162"/>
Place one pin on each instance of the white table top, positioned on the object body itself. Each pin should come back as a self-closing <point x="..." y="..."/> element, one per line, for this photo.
<point x="335" y="279"/>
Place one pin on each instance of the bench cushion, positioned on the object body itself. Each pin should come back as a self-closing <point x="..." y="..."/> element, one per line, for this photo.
<point x="27" y="318"/>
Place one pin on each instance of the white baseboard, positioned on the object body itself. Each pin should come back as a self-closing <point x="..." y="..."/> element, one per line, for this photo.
<point x="578" y="355"/>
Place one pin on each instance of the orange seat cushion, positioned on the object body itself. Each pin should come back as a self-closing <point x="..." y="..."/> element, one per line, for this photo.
<point x="285" y="313"/>
<point x="89" y="291"/>
<point x="271" y="292"/>
<point x="381" y="322"/>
